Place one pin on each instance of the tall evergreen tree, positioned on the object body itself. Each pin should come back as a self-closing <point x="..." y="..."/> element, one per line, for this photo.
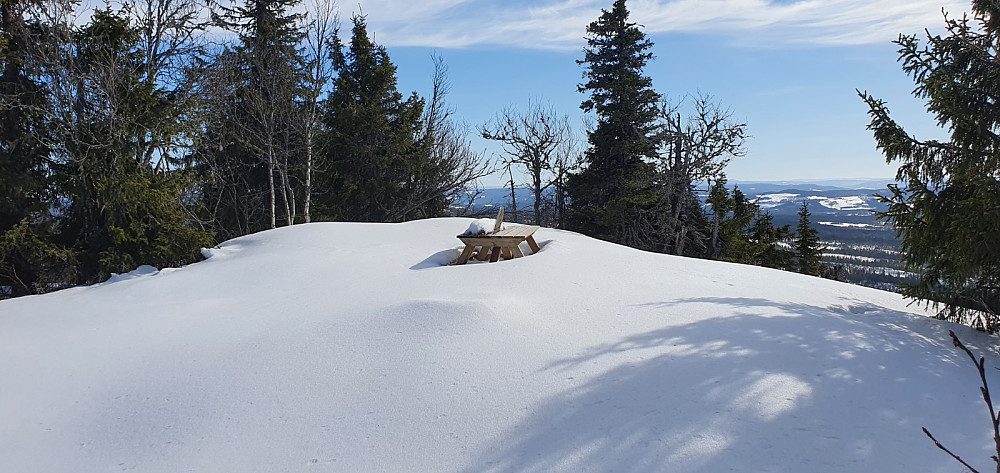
<point x="718" y="199"/>
<point x="611" y="197"/>
<point x="771" y="243"/>
<point x="254" y="145"/>
<point x="116" y="209"/>
<point x="373" y="149"/>
<point x="84" y="116"/>
<point x="30" y="261"/>
<point x="808" y="249"/>
<point x="946" y="209"/>
<point x="22" y="152"/>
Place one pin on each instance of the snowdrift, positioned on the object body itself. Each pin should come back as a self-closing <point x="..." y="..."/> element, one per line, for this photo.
<point x="355" y="347"/>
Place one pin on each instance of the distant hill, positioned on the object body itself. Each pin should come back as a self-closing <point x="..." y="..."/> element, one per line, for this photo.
<point x="856" y="239"/>
<point x="760" y="187"/>
<point x="845" y="219"/>
<point x="837" y="213"/>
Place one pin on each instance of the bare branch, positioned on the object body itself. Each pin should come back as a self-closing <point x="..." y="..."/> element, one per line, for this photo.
<point x="984" y="389"/>
<point x="531" y="139"/>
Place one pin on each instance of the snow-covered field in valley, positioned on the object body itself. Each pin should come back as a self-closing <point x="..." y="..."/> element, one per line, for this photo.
<point x="339" y="347"/>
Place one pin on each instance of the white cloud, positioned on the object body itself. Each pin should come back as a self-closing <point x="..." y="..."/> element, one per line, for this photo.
<point x="560" y="24"/>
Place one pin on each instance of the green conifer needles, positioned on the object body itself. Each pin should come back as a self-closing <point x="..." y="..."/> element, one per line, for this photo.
<point x="946" y="209"/>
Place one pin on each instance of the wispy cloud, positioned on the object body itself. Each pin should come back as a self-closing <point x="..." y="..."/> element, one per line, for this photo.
<point x="560" y="24"/>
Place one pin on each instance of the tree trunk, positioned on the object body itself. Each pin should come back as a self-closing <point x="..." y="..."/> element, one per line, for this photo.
<point x="715" y="226"/>
<point x="309" y="169"/>
<point x="560" y="204"/>
<point x="283" y="172"/>
<point x="715" y="236"/>
<point x="270" y="184"/>
<point x="513" y="197"/>
<point x="538" y="194"/>
<point x="680" y="240"/>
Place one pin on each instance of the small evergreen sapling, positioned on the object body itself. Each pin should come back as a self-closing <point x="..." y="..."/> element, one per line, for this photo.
<point x="808" y="248"/>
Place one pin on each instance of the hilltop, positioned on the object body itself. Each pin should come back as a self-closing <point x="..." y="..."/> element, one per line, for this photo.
<point x="356" y="347"/>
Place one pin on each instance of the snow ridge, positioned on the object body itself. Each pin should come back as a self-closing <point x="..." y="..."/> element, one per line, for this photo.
<point x="357" y="347"/>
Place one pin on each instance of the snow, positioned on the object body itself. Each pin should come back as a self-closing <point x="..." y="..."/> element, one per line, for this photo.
<point x="141" y="271"/>
<point x="769" y="201"/>
<point x="482" y="226"/>
<point x="340" y="347"/>
<point x="852" y="258"/>
<point x="853" y="202"/>
<point x="867" y="226"/>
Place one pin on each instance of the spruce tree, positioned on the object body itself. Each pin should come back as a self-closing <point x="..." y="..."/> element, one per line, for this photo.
<point x="116" y="210"/>
<point x="771" y="243"/>
<point x="22" y="128"/>
<point x="946" y="208"/>
<point x="30" y="260"/>
<point x="718" y="198"/>
<point x="83" y="116"/>
<point x="612" y="198"/>
<point x="746" y="234"/>
<point x="808" y="249"/>
<point x="373" y="153"/>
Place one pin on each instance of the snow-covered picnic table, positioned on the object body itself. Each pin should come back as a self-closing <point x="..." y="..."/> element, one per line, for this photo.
<point x="504" y="240"/>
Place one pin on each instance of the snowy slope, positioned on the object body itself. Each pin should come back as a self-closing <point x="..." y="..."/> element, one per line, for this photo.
<point x="349" y="347"/>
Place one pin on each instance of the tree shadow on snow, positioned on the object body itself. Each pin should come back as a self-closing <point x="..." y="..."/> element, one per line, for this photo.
<point x="819" y="389"/>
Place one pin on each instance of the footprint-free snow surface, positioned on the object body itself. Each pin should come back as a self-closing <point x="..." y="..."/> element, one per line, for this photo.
<point x="338" y="347"/>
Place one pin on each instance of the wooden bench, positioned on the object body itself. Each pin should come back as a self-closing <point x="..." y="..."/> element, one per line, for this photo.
<point x="499" y="243"/>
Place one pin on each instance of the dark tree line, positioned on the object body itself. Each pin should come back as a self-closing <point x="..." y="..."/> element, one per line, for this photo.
<point x="130" y="139"/>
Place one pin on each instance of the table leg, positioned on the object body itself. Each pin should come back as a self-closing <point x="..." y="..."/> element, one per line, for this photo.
<point x="532" y="244"/>
<point x="516" y="250"/>
<point x="505" y="252"/>
<point x="495" y="254"/>
<point x="484" y="253"/>
<point x="466" y="253"/>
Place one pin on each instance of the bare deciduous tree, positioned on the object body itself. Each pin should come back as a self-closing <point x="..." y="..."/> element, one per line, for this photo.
<point x="452" y="166"/>
<point x="321" y="30"/>
<point x="568" y="160"/>
<point x="531" y="139"/>
<point x="170" y="36"/>
<point x="692" y="150"/>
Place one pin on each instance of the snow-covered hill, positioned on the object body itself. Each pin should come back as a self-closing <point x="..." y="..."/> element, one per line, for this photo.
<point x="355" y="347"/>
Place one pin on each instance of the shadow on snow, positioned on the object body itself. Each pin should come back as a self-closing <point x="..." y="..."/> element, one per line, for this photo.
<point x="820" y="389"/>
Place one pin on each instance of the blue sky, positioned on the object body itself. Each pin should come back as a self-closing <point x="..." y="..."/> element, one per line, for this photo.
<point x="789" y="69"/>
